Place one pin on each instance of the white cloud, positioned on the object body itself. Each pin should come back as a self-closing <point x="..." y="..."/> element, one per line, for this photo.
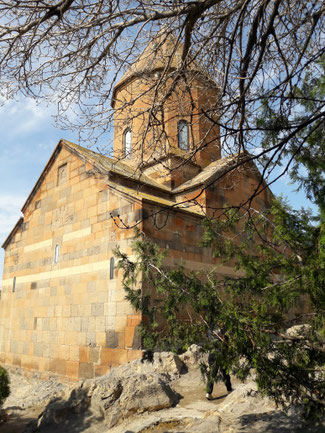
<point x="24" y="116"/>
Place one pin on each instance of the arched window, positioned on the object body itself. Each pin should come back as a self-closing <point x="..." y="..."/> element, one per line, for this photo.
<point x="111" y="269"/>
<point x="183" y="135"/>
<point x="56" y="253"/>
<point x="127" y="142"/>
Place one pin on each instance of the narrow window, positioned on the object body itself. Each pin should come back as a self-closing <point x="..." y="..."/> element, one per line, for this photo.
<point x="111" y="269"/>
<point x="127" y="143"/>
<point x="183" y="135"/>
<point x="56" y="253"/>
<point x="14" y="285"/>
<point x="62" y="174"/>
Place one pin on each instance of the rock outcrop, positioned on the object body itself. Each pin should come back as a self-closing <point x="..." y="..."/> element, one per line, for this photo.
<point x="194" y="356"/>
<point x="147" y="397"/>
<point x="113" y="397"/>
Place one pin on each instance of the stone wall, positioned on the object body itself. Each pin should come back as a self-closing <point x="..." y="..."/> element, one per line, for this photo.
<point x="62" y="309"/>
<point x="68" y="317"/>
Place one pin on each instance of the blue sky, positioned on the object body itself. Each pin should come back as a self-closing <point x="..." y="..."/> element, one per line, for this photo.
<point x="27" y="139"/>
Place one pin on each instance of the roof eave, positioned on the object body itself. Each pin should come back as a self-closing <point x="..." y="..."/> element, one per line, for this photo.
<point x="12" y="233"/>
<point x="42" y="176"/>
<point x="174" y="208"/>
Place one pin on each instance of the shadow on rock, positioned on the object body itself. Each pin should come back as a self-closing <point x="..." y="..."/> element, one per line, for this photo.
<point x="278" y="422"/>
<point x="73" y="414"/>
<point x="107" y="400"/>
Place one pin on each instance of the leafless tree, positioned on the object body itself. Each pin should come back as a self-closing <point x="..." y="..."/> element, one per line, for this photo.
<point x="72" y="52"/>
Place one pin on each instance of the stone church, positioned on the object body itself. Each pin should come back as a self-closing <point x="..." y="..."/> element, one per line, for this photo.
<point x="62" y="307"/>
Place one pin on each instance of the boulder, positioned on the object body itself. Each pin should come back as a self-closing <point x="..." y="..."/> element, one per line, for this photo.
<point x="167" y="362"/>
<point x="29" y="392"/>
<point x="146" y="393"/>
<point x="163" y="362"/>
<point x="119" y="397"/>
<point x="109" y="399"/>
<point x="142" y="393"/>
<point x="245" y="410"/>
<point x="245" y="399"/>
<point x="194" y="356"/>
<point x="59" y="411"/>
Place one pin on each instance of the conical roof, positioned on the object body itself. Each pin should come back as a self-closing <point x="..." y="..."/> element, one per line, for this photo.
<point x="163" y="52"/>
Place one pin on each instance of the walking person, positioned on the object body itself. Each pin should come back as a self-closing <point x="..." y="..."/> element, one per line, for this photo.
<point x="218" y="335"/>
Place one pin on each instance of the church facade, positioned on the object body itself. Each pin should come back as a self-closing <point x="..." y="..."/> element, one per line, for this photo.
<point x="62" y="307"/>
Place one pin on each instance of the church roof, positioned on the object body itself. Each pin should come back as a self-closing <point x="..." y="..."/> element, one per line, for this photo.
<point x="215" y="170"/>
<point x="110" y="165"/>
<point x="106" y="166"/>
<point x="163" y="52"/>
<point x="207" y="176"/>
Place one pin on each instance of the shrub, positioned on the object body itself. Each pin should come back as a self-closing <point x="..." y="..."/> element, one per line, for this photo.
<point x="4" y="385"/>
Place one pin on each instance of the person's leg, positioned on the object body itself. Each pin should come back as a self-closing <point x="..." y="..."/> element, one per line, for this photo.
<point x="226" y="379"/>
<point x="213" y="370"/>
<point x="209" y="387"/>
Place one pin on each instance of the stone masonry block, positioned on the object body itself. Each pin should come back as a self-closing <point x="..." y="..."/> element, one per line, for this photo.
<point x="91" y="339"/>
<point x="137" y="341"/>
<point x="100" y="370"/>
<point x="94" y="355"/>
<point x="45" y="324"/>
<point x="66" y="310"/>
<point x="121" y="340"/>
<point x="120" y="323"/>
<point x="91" y="286"/>
<point x="101" y="339"/>
<point x="133" y="319"/>
<point x="129" y="334"/>
<point x="26" y="348"/>
<point x="74" y="353"/>
<point x="102" y="297"/>
<point x="72" y="369"/>
<point x="77" y="324"/>
<point x="100" y="324"/>
<point x="113" y="357"/>
<point x="134" y="354"/>
<point x="81" y="338"/>
<point x="74" y="310"/>
<point x="92" y="324"/>
<point x="111" y="339"/>
<point x="84" y="324"/>
<point x="124" y="308"/>
<point x="67" y="290"/>
<point x="97" y="309"/>
<point x="86" y="371"/>
<point x="84" y="354"/>
<point x="14" y="346"/>
<point x="103" y="216"/>
<point x="50" y="311"/>
<point x="58" y="366"/>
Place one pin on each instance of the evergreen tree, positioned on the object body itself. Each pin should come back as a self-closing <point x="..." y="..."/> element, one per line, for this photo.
<point x="280" y="281"/>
